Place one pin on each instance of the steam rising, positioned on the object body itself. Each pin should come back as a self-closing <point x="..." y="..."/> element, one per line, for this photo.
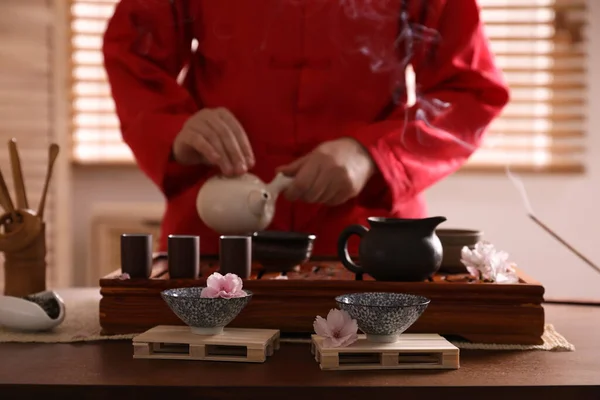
<point x="398" y="59"/>
<point x="395" y="57"/>
<point x="518" y="183"/>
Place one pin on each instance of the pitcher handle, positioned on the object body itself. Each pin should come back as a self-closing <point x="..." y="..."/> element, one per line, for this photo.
<point x="342" y="247"/>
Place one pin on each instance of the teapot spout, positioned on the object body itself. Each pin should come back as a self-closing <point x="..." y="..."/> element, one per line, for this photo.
<point x="279" y="184"/>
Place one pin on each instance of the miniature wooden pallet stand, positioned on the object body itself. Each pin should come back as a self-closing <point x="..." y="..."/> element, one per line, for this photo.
<point x="412" y="351"/>
<point x="179" y="343"/>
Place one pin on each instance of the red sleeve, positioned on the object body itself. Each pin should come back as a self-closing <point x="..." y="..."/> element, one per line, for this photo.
<point x="412" y="152"/>
<point x="144" y="51"/>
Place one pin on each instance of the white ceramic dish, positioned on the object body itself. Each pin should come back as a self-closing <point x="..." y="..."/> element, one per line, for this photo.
<point x="20" y="314"/>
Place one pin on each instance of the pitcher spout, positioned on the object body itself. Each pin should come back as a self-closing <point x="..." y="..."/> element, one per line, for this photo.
<point x="433" y="222"/>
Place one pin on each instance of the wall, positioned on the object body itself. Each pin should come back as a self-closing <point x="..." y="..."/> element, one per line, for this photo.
<point x="568" y="205"/>
<point x="490" y="203"/>
<point x="98" y="185"/>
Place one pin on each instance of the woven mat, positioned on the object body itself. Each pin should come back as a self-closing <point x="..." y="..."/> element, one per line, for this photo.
<point x="553" y="341"/>
<point x="82" y="324"/>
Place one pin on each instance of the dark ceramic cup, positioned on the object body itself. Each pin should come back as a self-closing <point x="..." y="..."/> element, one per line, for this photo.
<point x="453" y="240"/>
<point x="235" y="255"/>
<point x="136" y="255"/>
<point x="394" y="249"/>
<point x="281" y="251"/>
<point x="184" y="256"/>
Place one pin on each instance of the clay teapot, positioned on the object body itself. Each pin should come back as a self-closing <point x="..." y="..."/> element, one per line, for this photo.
<point x="239" y="205"/>
<point x="394" y="249"/>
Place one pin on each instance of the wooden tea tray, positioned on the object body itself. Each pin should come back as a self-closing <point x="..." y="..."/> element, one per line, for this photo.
<point x="179" y="343"/>
<point x="412" y="351"/>
<point x="478" y="312"/>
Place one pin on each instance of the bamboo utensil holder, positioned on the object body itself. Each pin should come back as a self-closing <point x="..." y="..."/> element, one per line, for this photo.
<point x="23" y="232"/>
<point x="25" y="269"/>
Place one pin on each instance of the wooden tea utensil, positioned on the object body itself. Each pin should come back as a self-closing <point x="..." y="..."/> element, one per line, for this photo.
<point x="20" y="226"/>
<point x="52" y="154"/>
<point x="17" y="173"/>
<point x="5" y="200"/>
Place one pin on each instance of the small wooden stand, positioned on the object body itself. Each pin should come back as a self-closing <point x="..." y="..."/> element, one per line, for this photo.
<point x="179" y="343"/>
<point x="412" y="351"/>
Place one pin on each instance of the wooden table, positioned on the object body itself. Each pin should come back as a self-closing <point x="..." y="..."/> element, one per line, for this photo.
<point x="107" y="370"/>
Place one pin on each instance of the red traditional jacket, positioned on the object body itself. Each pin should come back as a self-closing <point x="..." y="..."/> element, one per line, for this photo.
<point x="295" y="74"/>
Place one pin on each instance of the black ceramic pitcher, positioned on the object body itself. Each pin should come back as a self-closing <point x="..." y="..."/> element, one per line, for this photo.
<point x="394" y="249"/>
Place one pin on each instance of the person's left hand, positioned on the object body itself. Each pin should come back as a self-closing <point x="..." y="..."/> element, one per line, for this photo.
<point x="331" y="174"/>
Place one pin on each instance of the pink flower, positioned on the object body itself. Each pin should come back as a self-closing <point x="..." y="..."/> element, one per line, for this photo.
<point x="339" y="329"/>
<point x="488" y="264"/>
<point x="226" y="287"/>
<point x="123" y="277"/>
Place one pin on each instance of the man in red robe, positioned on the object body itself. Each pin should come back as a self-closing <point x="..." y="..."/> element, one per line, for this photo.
<point x="313" y="88"/>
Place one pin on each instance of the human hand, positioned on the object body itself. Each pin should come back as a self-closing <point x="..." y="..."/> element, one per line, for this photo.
<point x="214" y="136"/>
<point x="331" y="174"/>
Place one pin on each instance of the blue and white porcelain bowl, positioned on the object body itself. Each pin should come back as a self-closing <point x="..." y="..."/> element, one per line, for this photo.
<point x="383" y="316"/>
<point x="205" y="316"/>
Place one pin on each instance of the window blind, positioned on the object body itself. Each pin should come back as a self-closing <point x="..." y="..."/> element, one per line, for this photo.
<point x="26" y="104"/>
<point x="541" y="47"/>
<point x="539" y="44"/>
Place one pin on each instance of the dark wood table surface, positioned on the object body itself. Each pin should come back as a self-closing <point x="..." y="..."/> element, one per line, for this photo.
<point x="106" y="369"/>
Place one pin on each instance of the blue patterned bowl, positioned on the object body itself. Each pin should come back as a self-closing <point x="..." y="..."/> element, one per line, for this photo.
<point x="205" y="316"/>
<point x="383" y="316"/>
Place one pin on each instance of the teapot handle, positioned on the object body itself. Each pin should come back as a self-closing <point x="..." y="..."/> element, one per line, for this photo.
<point x="342" y="247"/>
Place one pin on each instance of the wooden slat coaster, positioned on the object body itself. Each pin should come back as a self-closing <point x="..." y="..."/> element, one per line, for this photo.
<point x="179" y="343"/>
<point x="412" y="351"/>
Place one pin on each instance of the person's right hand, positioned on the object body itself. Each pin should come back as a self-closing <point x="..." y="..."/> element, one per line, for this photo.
<point x="214" y="136"/>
